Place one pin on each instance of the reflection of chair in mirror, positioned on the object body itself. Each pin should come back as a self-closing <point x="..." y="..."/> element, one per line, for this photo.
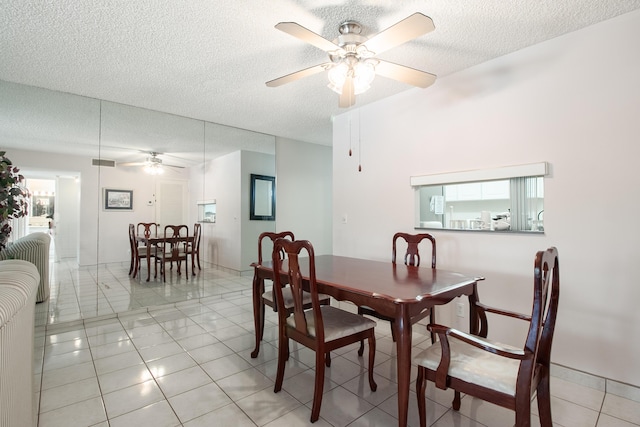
<point x="267" y="297"/>
<point x="132" y="249"/>
<point x="411" y="257"/>
<point x="147" y="229"/>
<point x="173" y="248"/>
<point x="321" y="328"/>
<point x="497" y="373"/>
<point x="193" y="248"/>
<point x="137" y="251"/>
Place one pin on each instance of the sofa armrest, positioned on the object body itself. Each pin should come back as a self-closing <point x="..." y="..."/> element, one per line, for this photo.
<point x="18" y="287"/>
<point x="34" y="248"/>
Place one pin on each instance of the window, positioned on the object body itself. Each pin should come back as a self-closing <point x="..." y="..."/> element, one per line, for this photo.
<point x="510" y="203"/>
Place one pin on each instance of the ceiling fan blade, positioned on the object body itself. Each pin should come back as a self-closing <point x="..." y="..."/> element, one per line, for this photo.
<point x="405" y="74"/>
<point x="131" y="164"/>
<point x="306" y="35"/>
<point x="299" y="74"/>
<point x="347" y="97"/>
<point x="401" y="32"/>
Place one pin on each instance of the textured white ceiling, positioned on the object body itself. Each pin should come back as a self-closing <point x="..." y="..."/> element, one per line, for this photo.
<point x="209" y="60"/>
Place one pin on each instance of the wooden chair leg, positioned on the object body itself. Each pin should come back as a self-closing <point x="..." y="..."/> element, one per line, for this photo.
<point x="544" y="401"/>
<point x="318" y="387"/>
<point x="432" y="319"/>
<point x="131" y="263"/>
<point x="258" y="322"/>
<point x="421" y="388"/>
<point x="283" y="354"/>
<point x="361" y="349"/>
<point x="456" y="400"/>
<point x="372" y="359"/>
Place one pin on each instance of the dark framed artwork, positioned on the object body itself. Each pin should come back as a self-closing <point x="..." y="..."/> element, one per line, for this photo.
<point x="118" y="200"/>
<point x="263" y="198"/>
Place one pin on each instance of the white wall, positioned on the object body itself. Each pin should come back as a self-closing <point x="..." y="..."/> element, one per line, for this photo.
<point x="231" y="242"/>
<point x="219" y="240"/>
<point x="572" y="101"/>
<point x="67" y="217"/>
<point x="304" y="192"/>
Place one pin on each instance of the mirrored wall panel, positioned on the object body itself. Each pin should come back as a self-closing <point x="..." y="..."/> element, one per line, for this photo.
<point x="96" y="167"/>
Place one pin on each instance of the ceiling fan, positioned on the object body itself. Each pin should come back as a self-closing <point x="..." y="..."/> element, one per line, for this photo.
<point x="353" y="65"/>
<point x="153" y="164"/>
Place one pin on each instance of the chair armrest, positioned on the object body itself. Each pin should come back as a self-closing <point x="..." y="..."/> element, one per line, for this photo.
<point x="444" y="332"/>
<point x="501" y="312"/>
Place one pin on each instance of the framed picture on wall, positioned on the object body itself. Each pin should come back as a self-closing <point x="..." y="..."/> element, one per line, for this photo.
<point x="262" y="205"/>
<point x="118" y="200"/>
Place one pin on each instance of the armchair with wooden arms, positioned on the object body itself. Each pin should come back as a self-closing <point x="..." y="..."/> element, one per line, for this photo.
<point x="500" y="374"/>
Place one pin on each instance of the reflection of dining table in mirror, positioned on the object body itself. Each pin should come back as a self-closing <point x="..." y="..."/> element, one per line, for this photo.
<point x="398" y="291"/>
<point x="152" y="243"/>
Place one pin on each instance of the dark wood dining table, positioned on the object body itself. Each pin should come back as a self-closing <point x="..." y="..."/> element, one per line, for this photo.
<point x="152" y="241"/>
<point x="395" y="290"/>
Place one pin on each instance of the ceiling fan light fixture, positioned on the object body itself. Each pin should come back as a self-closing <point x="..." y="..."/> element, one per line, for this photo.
<point x="337" y="75"/>
<point x="363" y="73"/>
<point x="154" y="168"/>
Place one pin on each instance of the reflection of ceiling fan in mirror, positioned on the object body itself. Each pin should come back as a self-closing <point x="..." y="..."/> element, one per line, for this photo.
<point x="153" y="164"/>
<point x="353" y="64"/>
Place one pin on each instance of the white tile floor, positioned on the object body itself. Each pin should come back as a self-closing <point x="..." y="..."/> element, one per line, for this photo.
<point x="188" y="364"/>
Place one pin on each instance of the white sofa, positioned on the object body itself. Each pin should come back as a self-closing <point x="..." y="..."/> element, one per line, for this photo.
<point x="34" y="248"/>
<point x="18" y="287"/>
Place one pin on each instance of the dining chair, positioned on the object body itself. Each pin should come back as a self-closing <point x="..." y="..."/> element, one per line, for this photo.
<point x="267" y="297"/>
<point x="137" y="252"/>
<point x="321" y="328"/>
<point x="411" y="257"/>
<point x="173" y="248"/>
<point x="504" y="375"/>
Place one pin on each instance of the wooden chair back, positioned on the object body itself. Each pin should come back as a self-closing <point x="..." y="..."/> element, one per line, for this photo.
<point x="412" y="255"/>
<point x="284" y="249"/>
<point x="174" y="247"/>
<point x="272" y="237"/>
<point x="147" y="229"/>
<point x="197" y="235"/>
<point x="132" y="237"/>
<point x="172" y="238"/>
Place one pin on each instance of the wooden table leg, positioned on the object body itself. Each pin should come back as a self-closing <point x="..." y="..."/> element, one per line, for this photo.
<point x="403" y="346"/>
<point x="258" y="311"/>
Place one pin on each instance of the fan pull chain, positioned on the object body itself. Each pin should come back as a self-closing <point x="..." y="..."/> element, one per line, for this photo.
<point x="350" y="129"/>
<point x="359" y="140"/>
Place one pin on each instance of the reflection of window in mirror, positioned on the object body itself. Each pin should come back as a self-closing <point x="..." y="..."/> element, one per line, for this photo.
<point x="207" y="211"/>
<point x="507" y="204"/>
